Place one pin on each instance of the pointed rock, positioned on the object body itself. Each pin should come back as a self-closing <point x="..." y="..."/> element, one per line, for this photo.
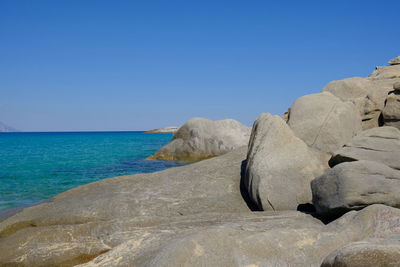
<point x="280" y="166"/>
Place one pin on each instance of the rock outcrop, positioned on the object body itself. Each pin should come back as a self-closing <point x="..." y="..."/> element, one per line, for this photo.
<point x="363" y="93"/>
<point x="377" y="144"/>
<point x="171" y="129"/>
<point x="368" y="94"/>
<point x="287" y="238"/>
<point x="394" y="61"/>
<point x="263" y="239"/>
<point x="200" y="139"/>
<point x="355" y="185"/>
<point x="202" y="214"/>
<point x="280" y="166"/>
<point x="324" y="121"/>
<point x="371" y="252"/>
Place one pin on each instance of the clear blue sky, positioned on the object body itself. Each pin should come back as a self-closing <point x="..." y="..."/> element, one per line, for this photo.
<point x="135" y="65"/>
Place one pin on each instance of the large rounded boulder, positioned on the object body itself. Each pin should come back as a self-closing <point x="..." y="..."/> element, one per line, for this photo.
<point x="380" y="144"/>
<point x="201" y="138"/>
<point x="280" y="166"/>
<point x="355" y="185"/>
<point x="323" y="121"/>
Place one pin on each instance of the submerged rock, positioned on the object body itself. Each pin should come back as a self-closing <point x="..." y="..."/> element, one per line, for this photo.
<point x="324" y="121"/>
<point x="355" y="185"/>
<point x="280" y="166"/>
<point x="200" y="139"/>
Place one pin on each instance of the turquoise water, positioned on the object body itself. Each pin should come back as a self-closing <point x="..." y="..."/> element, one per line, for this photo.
<point x="37" y="166"/>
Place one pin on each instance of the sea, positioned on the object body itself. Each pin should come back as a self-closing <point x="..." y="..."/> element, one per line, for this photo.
<point x="36" y="166"/>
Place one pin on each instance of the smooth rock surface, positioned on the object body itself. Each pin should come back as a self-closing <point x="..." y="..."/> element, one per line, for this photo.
<point x="258" y="239"/>
<point x="286" y="238"/>
<point x="377" y="144"/>
<point x="371" y="252"/>
<point x="200" y="139"/>
<point x="323" y="121"/>
<point x="355" y="185"/>
<point x="280" y="166"/>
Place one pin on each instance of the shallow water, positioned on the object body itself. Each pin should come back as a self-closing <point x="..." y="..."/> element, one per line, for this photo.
<point x="37" y="166"/>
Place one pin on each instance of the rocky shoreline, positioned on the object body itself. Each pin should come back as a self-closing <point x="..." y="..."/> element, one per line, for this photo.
<point x="317" y="187"/>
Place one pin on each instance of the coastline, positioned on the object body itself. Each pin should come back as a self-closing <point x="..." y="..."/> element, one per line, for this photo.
<point x="281" y="187"/>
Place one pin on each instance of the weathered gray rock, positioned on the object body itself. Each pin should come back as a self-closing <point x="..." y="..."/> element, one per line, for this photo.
<point x="200" y="139"/>
<point x="371" y="252"/>
<point x="391" y="112"/>
<point x="394" y="61"/>
<point x="377" y="144"/>
<point x="280" y="166"/>
<point x="285" y="238"/>
<point x="261" y="239"/>
<point x="324" y="121"/>
<point x="349" y="88"/>
<point x="364" y="94"/>
<point x="368" y="94"/>
<point x="355" y="185"/>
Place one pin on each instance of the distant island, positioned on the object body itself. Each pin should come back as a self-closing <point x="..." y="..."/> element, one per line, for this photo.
<point x="171" y="129"/>
<point x="4" y="128"/>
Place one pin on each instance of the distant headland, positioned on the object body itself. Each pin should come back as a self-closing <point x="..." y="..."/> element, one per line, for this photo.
<point x="4" y="128"/>
<point x="170" y="129"/>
